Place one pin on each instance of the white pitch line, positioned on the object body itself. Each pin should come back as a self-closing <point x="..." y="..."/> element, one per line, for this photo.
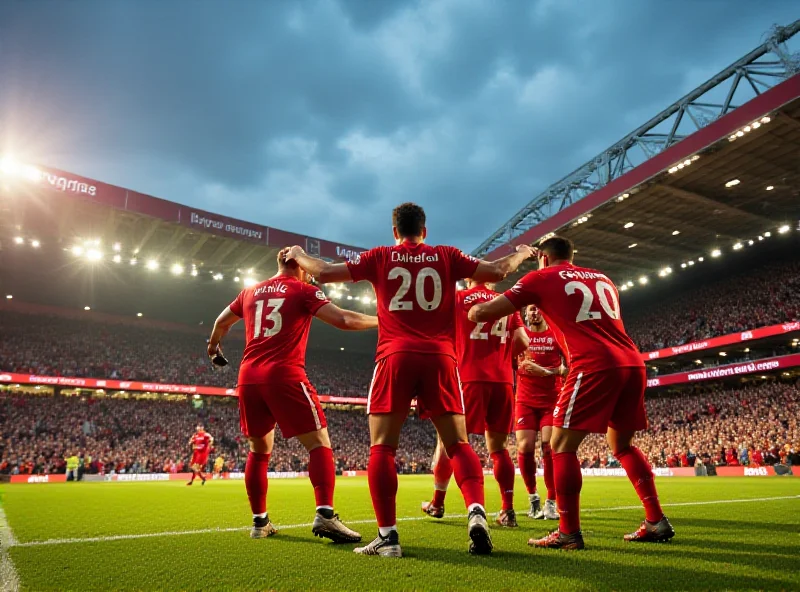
<point x="9" y="578"/>
<point x="127" y="537"/>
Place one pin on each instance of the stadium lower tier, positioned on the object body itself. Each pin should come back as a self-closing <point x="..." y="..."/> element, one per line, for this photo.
<point x="755" y="425"/>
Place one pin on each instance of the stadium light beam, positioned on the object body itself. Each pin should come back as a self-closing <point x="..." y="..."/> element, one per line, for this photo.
<point x="643" y="280"/>
<point x="117" y="258"/>
<point x="783" y="229"/>
<point x="94" y="255"/>
<point x="716" y="253"/>
<point x="628" y="225"/>
<point x="35" y="244"/>
<point x="249" y="282"/>
<point x="732" y="183"/>
<point x="152" y="265"/>
<point x="177" y="269"/>
<point x="19" y="240"/>
<point x="9" y="296"/>
<point x="676" y="232"/>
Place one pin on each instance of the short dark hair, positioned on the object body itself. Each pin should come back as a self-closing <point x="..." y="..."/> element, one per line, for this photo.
<point x="284" y="263"/>
<point x="557" y="248"/>
<point x="409" y="219"/>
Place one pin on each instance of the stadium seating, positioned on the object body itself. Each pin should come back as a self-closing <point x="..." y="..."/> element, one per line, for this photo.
<point x="752" y="425"/>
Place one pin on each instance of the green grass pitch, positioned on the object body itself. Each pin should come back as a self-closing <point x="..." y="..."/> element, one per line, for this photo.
<point x="739" y="545"/>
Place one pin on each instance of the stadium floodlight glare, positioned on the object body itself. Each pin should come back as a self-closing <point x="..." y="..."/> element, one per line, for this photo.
<point x="19" y="240"/>
<point x="35" y="244"/>
<point x="783" y="229"/>
<point x="194" y="272"/>
<point x="349" y="297"/>
<point x="723" y="354"/>
<point x="94" y="255"/>
<point x="765" y="119"/>
<point x="217" y="276"/>
<point x="676" y="232"/>
<point x="732" y="183"/>
<point x="691" y="263"/>
<point x="623" y="287"/>
<point x="767" y="234"/>
<point x="77" y="250"/>
<point x="117" y="258"/>
<point x="134" y="261"/>
<point x="683" y="266"/>
<point x="701" y="259"/>
<point x="737" y="246"/>
<point x="9" y="296"/>
<point x="643" y="280"/>
<point x="770" y="187"/>
<point x="628" y="225"/>
<point x="87" y="308"/>
<point x="236" y="278"/>
<point x="138" y="314"/>
<point x="630" y="284"/>
<point x="698" y="361"/>
<point x="716" y="253"/>
<point x="747" y="350"/>
<point x="152" y="265"/>
<point x="751" y="242"/>
<point x="632" y="245"/>
<point x="739" y="134"/>
<point x="755" y="125"/>
<point x="117" y="247"/>
<point x="176" y="269"/>
<point x="366" y="299"/>
<point x="249" y="282"/>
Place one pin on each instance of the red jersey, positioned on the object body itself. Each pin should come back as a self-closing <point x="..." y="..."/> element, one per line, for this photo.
<point x="540" y="391"/>
<point x="581" y="306"/>
<point x="277" y="316"/>
<point x="415" y="285"/>
<point x="201" y="442"/>
<point x="484" y="350"/>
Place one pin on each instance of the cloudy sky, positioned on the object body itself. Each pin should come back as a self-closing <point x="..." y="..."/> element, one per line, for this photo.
<point x="320" y="116"/>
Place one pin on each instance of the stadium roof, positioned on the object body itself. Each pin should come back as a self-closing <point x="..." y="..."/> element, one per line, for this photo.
<point x="711" y="175"/>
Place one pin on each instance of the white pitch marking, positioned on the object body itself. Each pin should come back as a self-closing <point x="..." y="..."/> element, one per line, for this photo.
<point x="126" y="537"/>
<point x="9" y="578"/>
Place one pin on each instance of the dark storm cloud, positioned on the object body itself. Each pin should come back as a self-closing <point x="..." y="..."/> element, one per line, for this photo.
<point x="262" y="110"/>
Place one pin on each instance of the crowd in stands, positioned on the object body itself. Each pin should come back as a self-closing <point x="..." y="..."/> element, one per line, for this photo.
<point x="761" y="297"/>
<point x="61" y="346"/>
<point x="753" y="425"/>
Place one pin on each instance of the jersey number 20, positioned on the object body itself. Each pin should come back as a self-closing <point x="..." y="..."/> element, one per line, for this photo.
<point x="605" y="294"/>
<point x="397" y="302"/>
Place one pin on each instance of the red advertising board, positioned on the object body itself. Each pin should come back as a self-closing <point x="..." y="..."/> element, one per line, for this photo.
<point x="77" y="186"/>
<point x="731" y="339"/>
<point x="727" y="371"/>
<point x="313" y="246"/>
<point x="223" y="226"/>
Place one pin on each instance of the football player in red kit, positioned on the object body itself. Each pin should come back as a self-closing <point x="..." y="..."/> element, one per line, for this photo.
<point x="539" y="379"/>
<point x="603" y="392"/>
<point x="201" y="442"/>
<point x="415" y="285"/>
<point x="485" y="353"/>
<point x="273" y="387"/>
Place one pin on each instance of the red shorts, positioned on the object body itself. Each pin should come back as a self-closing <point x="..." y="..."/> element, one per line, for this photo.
<point x="430" y="378"/>
<point x="291" y="403"/>
<point x="489" y="407"/>
<point x="199" y="458"/>
<point x="596" y="401"/>
<point x="532" y="418"/>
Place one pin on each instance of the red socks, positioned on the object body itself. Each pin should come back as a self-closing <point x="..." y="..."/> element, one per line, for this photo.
<point x="568" y="481"/>
<point x="527" y="466"/>
<point x="382" y="476"/>
<point x="643" y="480"/>
<point x="322" y="475"/>
<point x="468" y="472"/>
<point x="442" y="471"/>
<point x="547" y="465"/>
<point x="504" y="474"/>
<point x="255" y="481"/>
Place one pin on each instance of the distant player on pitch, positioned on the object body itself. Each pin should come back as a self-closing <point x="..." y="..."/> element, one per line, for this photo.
<point x="201" y="442"/>
<point x="539" y="380"/>
<point x="604" y="390"/>
<point x="485" y="352"/>
<point x="273" y="387"/>
<point x="415" y="285"/>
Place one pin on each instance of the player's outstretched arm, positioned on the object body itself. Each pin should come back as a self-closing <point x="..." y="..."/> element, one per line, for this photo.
<point x="323" y="272"/>
<point x="222" y="325"/>
<point x="494" y="271"/>
<point x="347" y="320"/>
<point x="495" y="309"/>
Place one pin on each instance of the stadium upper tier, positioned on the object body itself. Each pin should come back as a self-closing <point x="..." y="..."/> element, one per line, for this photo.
<point x="753" y="425"/>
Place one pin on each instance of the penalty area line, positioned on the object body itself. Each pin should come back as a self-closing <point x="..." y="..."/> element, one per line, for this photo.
<point x="128" y="537"/>
<point x="9" y="578"/>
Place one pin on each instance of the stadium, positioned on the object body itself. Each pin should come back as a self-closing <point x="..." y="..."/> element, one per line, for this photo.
<point x="109" y="296"/>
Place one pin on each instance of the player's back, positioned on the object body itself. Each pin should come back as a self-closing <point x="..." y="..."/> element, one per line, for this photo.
<point x="277" y="316"/>
<point x="582" y="308"/>
<point x="415" y="289"/>
<point x="484" y="349"/>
